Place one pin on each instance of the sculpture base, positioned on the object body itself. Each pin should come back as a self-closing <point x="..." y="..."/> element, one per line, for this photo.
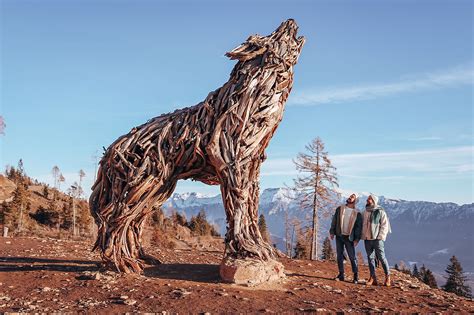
<point x="250" y="271"/>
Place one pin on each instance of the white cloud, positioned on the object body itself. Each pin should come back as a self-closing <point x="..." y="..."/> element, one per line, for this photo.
<point x="426" y="139"/>
<point x="435" y="163"/>
<point x="453" y="77"/>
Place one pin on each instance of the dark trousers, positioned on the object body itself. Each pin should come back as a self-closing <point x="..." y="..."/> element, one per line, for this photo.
<point x="341" y="242"/>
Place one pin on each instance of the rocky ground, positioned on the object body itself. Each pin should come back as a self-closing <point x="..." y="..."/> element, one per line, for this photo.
<point x="45" y="275"/>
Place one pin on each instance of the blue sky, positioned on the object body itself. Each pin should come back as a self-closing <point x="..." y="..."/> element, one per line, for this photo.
<point x="387" y="85"/>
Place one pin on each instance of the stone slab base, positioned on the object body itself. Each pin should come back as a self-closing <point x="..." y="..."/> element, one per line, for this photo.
<point x="250" y="272"/>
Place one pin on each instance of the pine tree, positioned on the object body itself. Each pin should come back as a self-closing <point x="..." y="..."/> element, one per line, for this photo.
<point x="422" y="272"/>
<point x="301" y="251"/>
<point x="45" y="191"/>
<point x="66" y="215"/>
<point x="84" y="218"/>
<point x="456" y="280"/>
<point x="262" y="226"/>
<point x="328" y="253"/>
<point x="178" y="218"/>
<point x="415" y="272"/>
<point x="21" y="169"/>
<point x="15" y="210"/>
<point x="199" y="225"/>
<point x="429" y="279"/>
<point x="316" y="188"/>
<point x="303" y="242"/>
<point x="3" y="208"/>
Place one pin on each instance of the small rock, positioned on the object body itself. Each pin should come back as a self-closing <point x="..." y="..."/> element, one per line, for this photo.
<point x="371" y="301"/>
<point x="123" y="297"/>
<point x="130" y="302"/>
<point x="46" y="289"/>
<point x="179" y="293"/>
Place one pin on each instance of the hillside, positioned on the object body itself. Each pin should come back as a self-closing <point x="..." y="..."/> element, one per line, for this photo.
<point x="6" y="189"/>
<point x="422" y="231"/>
<point x="47" y="275"/>
<point x="44" y="211"/>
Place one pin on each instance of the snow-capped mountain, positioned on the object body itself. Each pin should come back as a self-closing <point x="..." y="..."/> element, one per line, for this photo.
<point x="423" y="232"/>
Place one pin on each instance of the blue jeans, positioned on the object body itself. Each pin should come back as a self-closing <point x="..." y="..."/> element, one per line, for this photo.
<point x="341" y="242"/>
<point x="376" y="248"/>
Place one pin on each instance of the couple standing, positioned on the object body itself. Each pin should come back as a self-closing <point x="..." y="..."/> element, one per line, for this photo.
<point x="349" y="226"/>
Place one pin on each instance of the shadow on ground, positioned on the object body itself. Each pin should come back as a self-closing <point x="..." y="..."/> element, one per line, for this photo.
<point x="12" y="264"/>
<point x="189" y="272"/>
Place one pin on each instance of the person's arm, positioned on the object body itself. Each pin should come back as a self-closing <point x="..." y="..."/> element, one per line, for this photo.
<point x="332" y="230"/>
<point x="383" y="230"/>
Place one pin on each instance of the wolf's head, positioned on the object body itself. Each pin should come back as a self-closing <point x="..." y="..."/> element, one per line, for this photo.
<point x="282" y="45"/>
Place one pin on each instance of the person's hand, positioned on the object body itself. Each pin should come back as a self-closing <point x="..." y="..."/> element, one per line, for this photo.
<point x="355" y="243"/>
<point x="331" y="236"/>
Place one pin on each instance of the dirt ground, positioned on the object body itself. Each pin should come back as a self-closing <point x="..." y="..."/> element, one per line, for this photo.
<point x="45" y="275"/>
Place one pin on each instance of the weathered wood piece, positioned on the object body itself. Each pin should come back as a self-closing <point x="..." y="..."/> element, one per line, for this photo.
<point x="220" y="141"/>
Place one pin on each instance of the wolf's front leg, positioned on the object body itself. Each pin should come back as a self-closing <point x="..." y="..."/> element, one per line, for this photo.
<point x="240" y="197"/>
<point x="248" y="259"/>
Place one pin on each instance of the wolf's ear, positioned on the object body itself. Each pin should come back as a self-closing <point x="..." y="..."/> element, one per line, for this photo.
<point x="254" y="46"/>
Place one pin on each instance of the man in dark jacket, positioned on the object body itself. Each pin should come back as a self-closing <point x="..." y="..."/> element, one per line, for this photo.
<point x="346" y="224"/>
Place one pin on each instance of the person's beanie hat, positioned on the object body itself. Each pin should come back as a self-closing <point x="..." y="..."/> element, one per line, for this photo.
<point x="357" y="197"/>
<point x="375" y="199"/>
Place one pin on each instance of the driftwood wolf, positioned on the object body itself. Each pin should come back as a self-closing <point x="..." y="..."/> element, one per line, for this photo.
<point x="220" y="141"/>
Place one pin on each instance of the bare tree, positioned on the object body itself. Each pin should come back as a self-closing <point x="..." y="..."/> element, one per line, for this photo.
<point x="2" y="126"/>
<point x="82" y="174"/>
<point x="291" y="226"/>
<point x="288" y="243"/>
<point x="74" y="192"/>
<point x="55" y="171"/>
<point x="60" y="180"/>
<point x="315" y="185"/>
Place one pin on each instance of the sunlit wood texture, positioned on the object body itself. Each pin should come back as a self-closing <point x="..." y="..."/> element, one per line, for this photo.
<point x="220" y="141"/>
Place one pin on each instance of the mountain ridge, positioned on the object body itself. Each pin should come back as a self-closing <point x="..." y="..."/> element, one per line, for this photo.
<point x="423" y="232"/>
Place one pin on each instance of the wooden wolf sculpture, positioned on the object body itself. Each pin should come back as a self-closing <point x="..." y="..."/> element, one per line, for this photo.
<point x="220" y="141"/>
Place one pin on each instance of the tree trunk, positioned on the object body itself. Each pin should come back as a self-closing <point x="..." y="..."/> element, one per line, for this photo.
<point x="20" y="223"/>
